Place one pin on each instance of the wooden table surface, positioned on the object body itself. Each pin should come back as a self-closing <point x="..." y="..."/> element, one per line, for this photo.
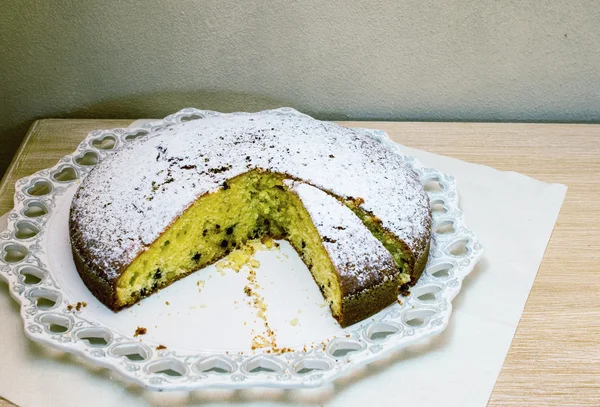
<point x="554" y="359"/>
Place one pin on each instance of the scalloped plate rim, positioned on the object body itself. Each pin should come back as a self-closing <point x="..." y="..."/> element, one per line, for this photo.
<point x="293" y="380"/>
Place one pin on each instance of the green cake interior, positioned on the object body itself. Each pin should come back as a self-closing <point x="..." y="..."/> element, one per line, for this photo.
<point x="396" y="247"/>
<point x="250" y="206"/>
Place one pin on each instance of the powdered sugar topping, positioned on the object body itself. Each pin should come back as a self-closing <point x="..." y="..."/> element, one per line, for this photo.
<point x="130" y="198"/>
<point x="352" y="249"/>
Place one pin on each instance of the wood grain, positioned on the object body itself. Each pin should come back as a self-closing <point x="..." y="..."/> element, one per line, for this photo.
<point x="47" y="141"/>
<point x="554" y="359"/>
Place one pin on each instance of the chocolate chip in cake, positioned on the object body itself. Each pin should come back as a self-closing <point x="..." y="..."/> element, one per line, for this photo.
<point x="157" y="274"/>
<point x="204" y="232"/>
<point x="218" y="227"/>
<point x="224" y="243"/>
<point x="196" y="257"/>
<point x="143" y="292"/>
<point x="225" y="185"/>
<point x="229" y="230"/>
<point x="303" y="244"/>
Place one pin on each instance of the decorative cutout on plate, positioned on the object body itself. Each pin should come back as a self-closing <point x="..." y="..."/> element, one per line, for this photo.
<point x="418" y="317"/>
<point x="55" y="323"/>
<point x="65" y="174"/>
<point x="310" y="365"/>
<point x="13" y="252"/>
<point x="39" y="187"/>
<point x="87" y="159"/>
<point x="31" y="275"/>
<point x="341" y="347"/>
<point x="132" y="136"/>
<point x="35" y="209"/>
<point x="135" y="352"/>
<point x="26" y="230"/>
<point x="106" y="142"/>
<point x="215" y="364"/>
<point x="263" y="364"/>
<point x="379" y="331"/>
<point x="95" y="337"/>
<point x="167" y="367"/>
<point x="44" y="298"/>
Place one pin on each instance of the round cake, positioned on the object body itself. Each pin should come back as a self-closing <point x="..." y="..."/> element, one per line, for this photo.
<point x="172" y="202"/>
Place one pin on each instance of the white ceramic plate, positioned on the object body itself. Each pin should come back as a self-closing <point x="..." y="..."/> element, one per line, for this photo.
<point x="208" y="326"/>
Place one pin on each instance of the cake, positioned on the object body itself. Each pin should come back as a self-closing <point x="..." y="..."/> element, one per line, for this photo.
<point x="175" y="201"/>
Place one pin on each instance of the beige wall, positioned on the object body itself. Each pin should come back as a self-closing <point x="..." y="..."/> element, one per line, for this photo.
<point x="527" y="60"/>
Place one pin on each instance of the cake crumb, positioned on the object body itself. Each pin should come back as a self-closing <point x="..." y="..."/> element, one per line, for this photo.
<point x="248" y="291"/>
<point x="259" y="341"/>
<point x="78" y="306"/>
<point x="237" y="259"/>
<point x="404" y="290"/>
<point x="200" y="283"/>
<point x="294" y="322"/>
<point x="167" y="303"/>
<point x="140" y="330"/>
<point x="161" y="347"/>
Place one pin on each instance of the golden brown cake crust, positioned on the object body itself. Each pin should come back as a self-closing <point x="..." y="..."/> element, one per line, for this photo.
<point x="102" y="289"/>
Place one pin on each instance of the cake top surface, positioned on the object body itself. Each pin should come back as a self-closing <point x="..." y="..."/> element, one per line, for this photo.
<point x="349" y="244"/>
<point x="128" y="199"/>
